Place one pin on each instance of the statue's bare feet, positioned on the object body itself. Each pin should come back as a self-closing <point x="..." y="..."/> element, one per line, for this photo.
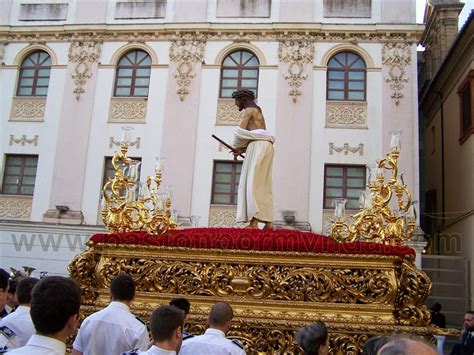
<point x="268" y="225"/>
<point x="253" y="224"/>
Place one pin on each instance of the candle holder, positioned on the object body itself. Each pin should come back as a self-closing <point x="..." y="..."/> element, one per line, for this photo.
<point x="127" y="204"/>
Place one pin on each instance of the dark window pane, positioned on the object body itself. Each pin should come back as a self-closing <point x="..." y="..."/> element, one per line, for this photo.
<point x="334" y="182"/>
<point x="350" y="69"/>
<point x="227" y="92"/>
<point x="223" y="178"/>
<point x="356" y="85"/>
<point x="356" y="75"/>
<point x="25" y="91"/>
<point x="336" y="95"/>
<point x="344" y="181"/>
<point x="122" y="92"/>
<point x="333" y="171"/>
<point x="332" y="74"/>
<point x="339" y="85"/>
<point x="356" y="96"/>
<point x="239" y="71"/>
<point x="230" y="73"/>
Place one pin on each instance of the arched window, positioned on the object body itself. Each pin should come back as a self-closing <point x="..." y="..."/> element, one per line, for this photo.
<point x="239" y="71"/>
<point x="346" y="77"/>
<point x="34" y="75"/>
<point x="132" y="77"/>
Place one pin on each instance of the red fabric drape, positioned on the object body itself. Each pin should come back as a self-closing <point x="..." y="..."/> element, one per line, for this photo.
<point x="252" y="239"/>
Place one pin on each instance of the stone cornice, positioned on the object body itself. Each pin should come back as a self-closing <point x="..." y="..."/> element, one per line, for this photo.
<point x="250" y="32"/>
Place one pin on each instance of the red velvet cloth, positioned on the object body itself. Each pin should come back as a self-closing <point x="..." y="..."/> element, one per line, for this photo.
<point x="252" y="239"/>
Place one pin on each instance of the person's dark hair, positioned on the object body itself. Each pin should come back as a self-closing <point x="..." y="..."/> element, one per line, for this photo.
<point x="181" y="303"/>
<point x="12" y="284"/>
<point x="24" y="288"/>
<point x="122" y="288"/>
<point x="53" y="301"/>
<point x="436" y="307"/>
<point x="164" y="321"/>
<point x="4" y="277"/>
<point x="244" y="94"/>
<point x="469" y="312"/>
<point x="312" y="337"/>
<point x="373" y="345"/>
<point x="221" y="313"/>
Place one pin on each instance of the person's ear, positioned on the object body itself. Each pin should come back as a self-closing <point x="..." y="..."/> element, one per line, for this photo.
<point x="73" y="323"/>
<point x="178" y="332"/>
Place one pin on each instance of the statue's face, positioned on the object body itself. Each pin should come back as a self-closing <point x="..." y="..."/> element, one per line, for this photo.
<point x="240" y="104"/>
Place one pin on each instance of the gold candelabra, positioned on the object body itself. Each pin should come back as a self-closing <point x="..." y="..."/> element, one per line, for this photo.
<point x="127" y="205"/>
<point x="377" y="221"/>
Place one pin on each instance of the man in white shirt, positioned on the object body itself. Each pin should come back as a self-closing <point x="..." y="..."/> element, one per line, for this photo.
<point x="20" y="321"/>
<point x="166" y="325"/>
<point x="114" y="329"/>
<point x="55" y="304"/>
<point x="213" y="341"/>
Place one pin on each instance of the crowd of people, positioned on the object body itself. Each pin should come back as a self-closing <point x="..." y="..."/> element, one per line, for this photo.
<point x="44" y="313"/>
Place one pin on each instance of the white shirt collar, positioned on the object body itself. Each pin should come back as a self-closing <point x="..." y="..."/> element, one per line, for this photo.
<point x="161" y="350"/>
<point x="47" y="342"/>
<point x="121" y="305"/>
<point x="214" y="331"/>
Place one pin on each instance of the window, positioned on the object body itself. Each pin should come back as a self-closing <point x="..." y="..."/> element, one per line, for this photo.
<point x="132" y="77"/>
<point x="343" y="181"/>
<point x="20" y="174"/>
<point x="466" y="97"/>
<point x="225" y="182"/>
<point x="346" y="77"/>
<point x="239" y="71"/>
<point x="34" y="75"/>
<point x="109" y="170"/>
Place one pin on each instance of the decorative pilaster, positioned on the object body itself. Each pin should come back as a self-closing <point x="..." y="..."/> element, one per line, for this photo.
<point x="83" y="53"/>
<point x="295" y="53"/>
<point x="185" y="52"/>
<point x="396" y="56"/>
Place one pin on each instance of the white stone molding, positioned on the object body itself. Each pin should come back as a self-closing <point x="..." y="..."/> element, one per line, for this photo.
<point x="223" y="216"/>
<point x="83" y="53"/>
<point x="15" y="207"/>
<point x="2" y="52"/>
<point x="23" y="140"/>
<point x="36" y="46"/>
<point x="27" y="109"/>
<point x="396" y="56"/>
<point x="113" y="142"/>
<point x="240" y="46"/>
<point x="296" y="54"/>
<point x="227" y="113"/>
<point x="346" y="114"/>
<point x="133" y="45"/>
<point x="347" y="47"/>
<point x="346" y="148"/>
<point x="128" y="110"/>
<point x="185" y="52"/>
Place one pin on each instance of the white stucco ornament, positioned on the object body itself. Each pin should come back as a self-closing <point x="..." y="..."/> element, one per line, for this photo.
<point x="83" y="53"/>
<point x="396" y="56"/>
<point x="185" y="52"/>
<point x="296" y="54"/>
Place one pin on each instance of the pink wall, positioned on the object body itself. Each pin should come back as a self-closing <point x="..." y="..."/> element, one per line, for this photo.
<point x="179" y="139"/>
<point x="190" y="11"/>
<point x="91" y="12"/>
<point x="73" y="141"/>
<point x="296" y="11"/>
<point x="292" y="147"/>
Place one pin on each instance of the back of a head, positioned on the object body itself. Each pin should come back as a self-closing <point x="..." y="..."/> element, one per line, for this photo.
<point x="221" y="313"/>
<point x="181" y="303"/>
<point x="164" y="321"/>
<point x="4" y="277"/>
<point x="24" y="288"/>
<point x="405" y="346"/>
<point x="244" y="95"/>
<point x="374" y="344"/>
<point x="122" y="288"/>
<point x="53" y="301"/>
<point x="312" y="337"/>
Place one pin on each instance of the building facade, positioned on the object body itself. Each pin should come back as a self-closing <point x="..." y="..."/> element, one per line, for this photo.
<point x="333" y="78"/>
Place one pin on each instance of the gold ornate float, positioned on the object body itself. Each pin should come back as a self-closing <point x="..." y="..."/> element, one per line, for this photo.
<point x="277" y="281"/>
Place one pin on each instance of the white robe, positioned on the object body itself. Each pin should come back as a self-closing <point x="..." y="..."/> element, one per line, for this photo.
<point x="255" y="198"/>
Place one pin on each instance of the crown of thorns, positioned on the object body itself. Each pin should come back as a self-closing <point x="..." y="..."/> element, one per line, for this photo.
<point x="243" y="94"/>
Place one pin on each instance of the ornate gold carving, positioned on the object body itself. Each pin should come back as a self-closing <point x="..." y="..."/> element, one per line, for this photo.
<point x="185" y="52"/>
<point x="128" y="110"/>
<point x="295" y="53"/>
<point x="346" y="114"/>
<point x="346" y="149"/>
<point x="27" y="109"/>
<point x="83" y="53"/>
<point x="82" y="269"/>
<point x="396" y="56"/>
<point x="23" y="140"/>
<point x="227" y="113"/>
<point x="113" y="142"/>
<point x="15" y="207"/>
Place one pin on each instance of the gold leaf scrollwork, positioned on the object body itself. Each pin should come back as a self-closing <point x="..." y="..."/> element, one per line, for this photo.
<point x="296" y="53"/>
<point x="83" y="53"/>
<point x="82" y="269"/>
